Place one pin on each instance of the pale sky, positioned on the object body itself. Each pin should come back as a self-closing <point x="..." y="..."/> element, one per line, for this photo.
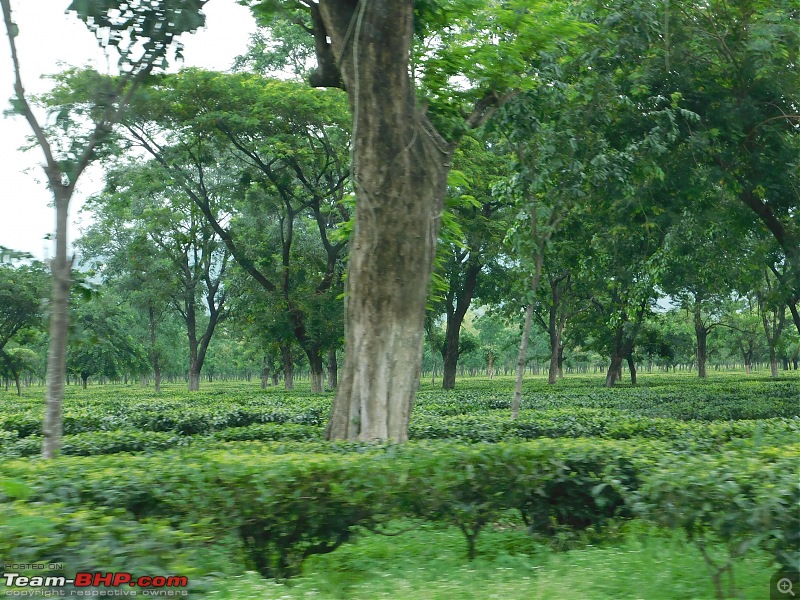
<point x="47" y="38"/>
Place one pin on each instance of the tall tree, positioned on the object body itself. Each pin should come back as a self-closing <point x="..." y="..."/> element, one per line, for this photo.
<point x="67" y="156"/>
<point x="400" y="165"/>
<point x="470" y="255"/>
<point x="286" y="145"/>
<point x="194" y="260"/>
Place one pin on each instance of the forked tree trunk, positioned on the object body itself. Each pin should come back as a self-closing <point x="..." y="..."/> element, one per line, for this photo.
<point x="61" y="269"/>
<point x="490" y="367"/>
<point x="399" y="176"/>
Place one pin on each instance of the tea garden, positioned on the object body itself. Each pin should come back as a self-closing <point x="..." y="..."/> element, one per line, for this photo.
<point x="235" y="488"/>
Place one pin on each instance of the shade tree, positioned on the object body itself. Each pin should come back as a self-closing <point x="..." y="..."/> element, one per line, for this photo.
<point x="192" y="260"/>
<point x="286" y="146"/>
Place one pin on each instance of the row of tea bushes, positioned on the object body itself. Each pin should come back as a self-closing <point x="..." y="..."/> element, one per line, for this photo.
<point x="277" y="504"/>
<point x="471" y="428"/>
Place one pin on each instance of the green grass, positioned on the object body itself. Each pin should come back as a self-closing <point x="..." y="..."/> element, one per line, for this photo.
<point x="429" y="564"/>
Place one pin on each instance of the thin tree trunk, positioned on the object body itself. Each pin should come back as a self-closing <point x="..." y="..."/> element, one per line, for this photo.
<point x="288" y="367"/>
<point x="526" y="332"/>
<point x="265" y="368"/>
<point x="701" y="333"/>
<point x="333" y="369"/>
<point x="61" y="268"/>
<point x="490" y="367"/>
<point x="153" y="349"/>
<point x="632" y="368"/>
<point x="795" y="313"/>
<point x="455" y="318"/>
<point x="317" y="374"/>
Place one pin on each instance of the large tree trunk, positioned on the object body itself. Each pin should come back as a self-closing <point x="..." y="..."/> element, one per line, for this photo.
<point x="399" y="175"/>
<point x="61" y="269"/>
<point x="194" y="366"/>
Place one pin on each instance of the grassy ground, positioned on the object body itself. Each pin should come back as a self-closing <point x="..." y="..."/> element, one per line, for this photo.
<point x="429" y="564"/>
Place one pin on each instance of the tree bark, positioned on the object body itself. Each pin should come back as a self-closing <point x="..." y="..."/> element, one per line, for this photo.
<point x="623" y="346"/>
<point x="399" y="176"/>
